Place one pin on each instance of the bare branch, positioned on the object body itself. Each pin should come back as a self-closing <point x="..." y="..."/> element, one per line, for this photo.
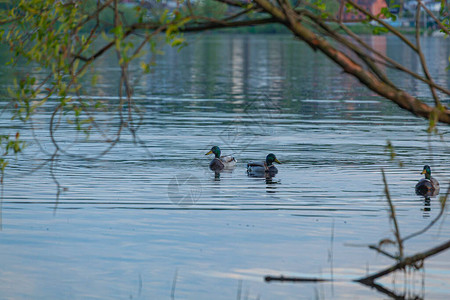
<point x="294" y="279"/>
<point x="95" y="14"/>
<point x="423" y="62"/>
<point x="401" y="98"/>
<point x="435" y="19"/>
<point x="394" y="64"/>
<point x="219" y="25"/>
<point x="233" y="3"/>
<point x="391" y="29"/>
<point x="393" y="216"/>
<point x="443" y="201"/>
<point x="408" y="261"/>
<point x="379" y="250"/>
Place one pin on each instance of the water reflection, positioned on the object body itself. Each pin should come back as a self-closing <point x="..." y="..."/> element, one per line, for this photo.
<point x="408" y="286"/>
<point x="132" y="213"/>
<point x="271" y="184"/>
<point x="426" y="207"/>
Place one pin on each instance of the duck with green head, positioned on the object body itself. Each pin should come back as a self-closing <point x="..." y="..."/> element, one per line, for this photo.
<point x="220" y="162"/>
<point x="427" y="186"/>
<point x="263" y="168"/>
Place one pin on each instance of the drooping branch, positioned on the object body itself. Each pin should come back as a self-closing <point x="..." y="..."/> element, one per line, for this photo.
<point x="234" y="3"/>
<point x="282" y="278"/>
<point x="422" y="57"/>
<point x="221" y="25"/>
<point x="441" y="26"/>
<point x="284" y="14"/>
<point x="443" y="206"/>
<point x="385" y="24"/>
<point x="95" y="15"/>
<point x="390" y="62"/>
<point x="393" y="216"/>
<point x="400" y="97"/>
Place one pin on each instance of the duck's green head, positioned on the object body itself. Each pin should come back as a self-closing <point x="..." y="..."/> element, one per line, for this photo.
<point x="215" y="150"/>
<point x="426" y="171"/>
<point x="270" y="158"/>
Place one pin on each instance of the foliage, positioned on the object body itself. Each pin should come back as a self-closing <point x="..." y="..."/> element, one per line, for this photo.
<point x="64" y="39"/>
<point x="8" y="145"/>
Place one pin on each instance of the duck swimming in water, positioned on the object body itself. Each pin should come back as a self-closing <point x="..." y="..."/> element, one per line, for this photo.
<point x="427" y="186"/>
<point x="220" y="162"/>
<point x="263" y="168"/>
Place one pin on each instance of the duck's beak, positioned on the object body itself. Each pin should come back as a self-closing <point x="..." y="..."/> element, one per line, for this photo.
<point x="209" y="152"/>
<point x="277" y="161"/>
<point x="424" y="171"/>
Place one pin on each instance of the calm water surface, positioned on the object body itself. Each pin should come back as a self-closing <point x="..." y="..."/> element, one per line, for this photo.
<point x="130" y="222"/>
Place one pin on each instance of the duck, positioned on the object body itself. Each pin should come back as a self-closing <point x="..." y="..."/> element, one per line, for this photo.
<point x="263" y="168"/>
<point x="220" y="162"/>
<point x="427" y="186"/>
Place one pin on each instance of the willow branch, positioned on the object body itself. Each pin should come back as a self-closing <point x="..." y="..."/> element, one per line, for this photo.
<point x="9" y="21"/>
<point x="233" y="3"/>
<point x="95" y="14"/>
<point x="379" y="250"/>
<point x="237" y="15"/>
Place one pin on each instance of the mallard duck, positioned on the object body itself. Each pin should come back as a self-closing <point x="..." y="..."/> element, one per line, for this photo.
<point x="220" y="162"/>
<point x="427" y="186"/>
<point x="263" y="168"/>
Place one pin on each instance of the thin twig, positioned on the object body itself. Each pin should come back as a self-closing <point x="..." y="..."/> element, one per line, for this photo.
<point x="395" y="64"/>
<point x="2" y="175"/>
<point x="442" y="26"/>
<point x="55" y="180"/>
<point x="393" y="216"/>
<point x="294" y="279"/>
<point x="443" y="202"/>
<point x="423" y="62"/>
<point x="174" y="285"/>
<point x="389" y="27"/>
<point x="407" y="261"/>
<point x="379" y="250"/>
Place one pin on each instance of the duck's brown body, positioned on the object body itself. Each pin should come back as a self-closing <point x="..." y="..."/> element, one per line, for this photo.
<point x="427" y="186"/>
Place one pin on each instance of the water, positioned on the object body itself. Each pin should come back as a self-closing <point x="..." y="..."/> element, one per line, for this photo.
<point x="125" y="225"/>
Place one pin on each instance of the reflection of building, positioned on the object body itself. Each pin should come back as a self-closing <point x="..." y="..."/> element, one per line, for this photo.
<point x="372" y="6"/>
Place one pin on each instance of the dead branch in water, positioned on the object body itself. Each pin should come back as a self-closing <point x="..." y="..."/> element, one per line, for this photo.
<point x="443" y="201"/>
<point x="415" y="261"/>
<point x="392" y="216"/>
<point x="407" y="261"/>
<point x="294" y="279"/>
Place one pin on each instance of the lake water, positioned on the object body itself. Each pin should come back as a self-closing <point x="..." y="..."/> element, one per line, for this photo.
<point x="151" y="221"/>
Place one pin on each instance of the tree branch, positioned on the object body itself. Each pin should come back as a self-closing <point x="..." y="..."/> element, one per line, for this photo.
<point x="394" y="64"/>
<point x="408" y="261"/>
<point x="391" y="29"/>
<point x="401" y="98"/>
<point x="443" y="202"/>
<point x="393" y="216"/>
<point x="436" y="19"/>
<point x="423" y="62"/>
